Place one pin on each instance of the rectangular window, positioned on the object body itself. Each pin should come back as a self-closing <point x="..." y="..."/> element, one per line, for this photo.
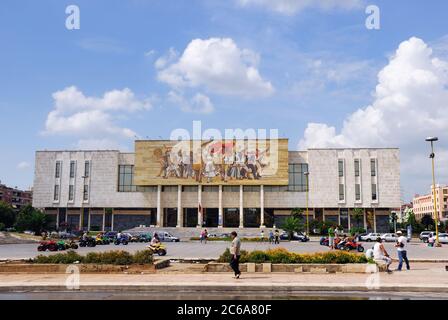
<point x="357" y="168"/>
<point x="57" y="173"/>
<point x="210" y="189"/>
<point x="86" y="192"/>
<point x="297" y="177"/>
<point x="341" y="168"/>
<point x="374" y="192"/>
<point x="341" y="192"/>
<point x="373" y="167"/>
<point x="72" y="169"/>
<point x="56" y="193"/>
<point x="357" y="192"/>
<point x="189" y="189"/>
<point x="169" y="189"/>
<point x="251" y="188"/>
<point x="86" y="169"/>
<point x="126" y="178"/>
<point x="71" y="192"/>
<point x="231" y="189"/>
<point x="275" y="188"/>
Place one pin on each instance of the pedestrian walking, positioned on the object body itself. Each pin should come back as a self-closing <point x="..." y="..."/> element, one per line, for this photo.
<point x="262" y="235"/>
<point x="331" y="235"/>
<point x="277" y="237"/>
<point x="402" y="252"/>
<point x="271" y="237"/>
<point x="235" y="251"/>
<point x="203" y="236"/>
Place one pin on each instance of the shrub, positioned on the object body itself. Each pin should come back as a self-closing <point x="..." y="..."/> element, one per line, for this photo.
<point x="142" y="257"/>
<point x="2" y="226"/>
<point x="59" y="258"/>
<point x="282" y="256"/>
<point x="108" y="257"/>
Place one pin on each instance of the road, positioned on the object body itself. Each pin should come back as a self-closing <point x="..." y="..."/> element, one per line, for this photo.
<point x="212" y="250"/>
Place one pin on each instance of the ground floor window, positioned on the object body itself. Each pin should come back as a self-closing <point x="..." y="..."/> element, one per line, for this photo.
<point x="252" y="218"/>
<point x="231" y="217"/>
<point x="190" y="217"/>
<point x="170" y="217"/>
<point x="211" y="217"/>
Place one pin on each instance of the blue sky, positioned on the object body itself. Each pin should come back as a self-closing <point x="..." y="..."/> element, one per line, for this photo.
<point x="309" y="64"/>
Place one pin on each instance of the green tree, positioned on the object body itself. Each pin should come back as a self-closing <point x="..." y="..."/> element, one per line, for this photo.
<point x="31" y="219"/>
<point x="358" y="217"/>
<point x="428" y="222"/>
<point x="297" y="213"/>
<point x="7" y="215"/>
<point x="291" y="225"/>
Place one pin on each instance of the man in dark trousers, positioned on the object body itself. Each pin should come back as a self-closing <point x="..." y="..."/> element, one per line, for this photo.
<point x="235" y="252"/>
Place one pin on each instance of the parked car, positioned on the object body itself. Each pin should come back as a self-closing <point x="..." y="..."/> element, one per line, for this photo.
<point x="443" y="238"/>
<point x="297" y="236"/>
<point x="389" y="237"/>
<point x="424" y="236"/>
<point x="67" y="235"/>
<point x="370" y="237"/>
<point x="167" y="237"/>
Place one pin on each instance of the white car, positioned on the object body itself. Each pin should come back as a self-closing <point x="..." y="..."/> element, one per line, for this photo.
<point x="443" y="238"/>
<point x="389" y="237"/>
<point x="371" y="237"/>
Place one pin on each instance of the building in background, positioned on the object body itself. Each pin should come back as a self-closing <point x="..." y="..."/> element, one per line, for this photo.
<point x="424" y="205"/>
<point x="15" y="197"/>
<point x="111" y="190"/>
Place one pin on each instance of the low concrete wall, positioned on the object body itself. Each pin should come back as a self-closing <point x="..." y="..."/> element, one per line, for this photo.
<point x="294" y="268"/>
<point x="83" y="268"/>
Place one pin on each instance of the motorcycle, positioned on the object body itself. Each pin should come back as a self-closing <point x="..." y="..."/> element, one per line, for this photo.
<point x="50" y="245"/>
<point x="157" y="248"/>
<point x="87" y="242"/>
<point x="102" y="241"/>
<point x="134" y="239"/>
<point x="351" y="245"/>
<point x="122" y="240"/>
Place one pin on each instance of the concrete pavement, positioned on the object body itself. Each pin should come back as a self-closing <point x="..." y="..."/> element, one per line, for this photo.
<point x="423" y="278"/>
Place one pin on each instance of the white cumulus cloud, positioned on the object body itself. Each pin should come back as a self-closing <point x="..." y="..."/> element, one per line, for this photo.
<point x="78" y="115"/>
<point x="216" y="64"/>
<point x="199" y="103"/>
<point x="410" y="103"/>
<point x="291" y="7"/>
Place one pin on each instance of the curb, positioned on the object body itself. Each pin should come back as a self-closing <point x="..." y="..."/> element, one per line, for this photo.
<point x="225" y="288"/>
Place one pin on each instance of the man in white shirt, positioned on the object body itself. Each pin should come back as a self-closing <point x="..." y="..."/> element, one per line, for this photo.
<point x="402" y="253"/>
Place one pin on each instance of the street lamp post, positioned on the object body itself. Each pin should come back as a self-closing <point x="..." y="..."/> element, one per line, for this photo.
<point x="436" y="214"/>
<point x="307" y="175"/>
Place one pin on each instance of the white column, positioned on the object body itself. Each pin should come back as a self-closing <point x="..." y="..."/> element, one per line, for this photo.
<point x="104" y="219"/>
<point x="112" y="221"/>
<point x="323" y="215"/>
<point x="179" y="207"/>
<point x="88" y="222"/>
<point x="159" y="206"/>
<point x="262" y="206"/>
<point x="365" y="219"/>
<point x="220" y="219"/>
<point x="241" y="208"/>
<point x="200" y="203"/>
<point x="374" y="220"/>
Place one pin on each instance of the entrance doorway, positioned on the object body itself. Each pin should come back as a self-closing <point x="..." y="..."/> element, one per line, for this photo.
<point x="252" y="218"/>
<point x="170" y="217"/>
<point x="231" y="217"/>
<point x="211" y="217"/>
<point x="190" y="217"/>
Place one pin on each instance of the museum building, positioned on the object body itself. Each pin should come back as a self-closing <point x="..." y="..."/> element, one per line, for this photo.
<point x="112" y="190"/>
